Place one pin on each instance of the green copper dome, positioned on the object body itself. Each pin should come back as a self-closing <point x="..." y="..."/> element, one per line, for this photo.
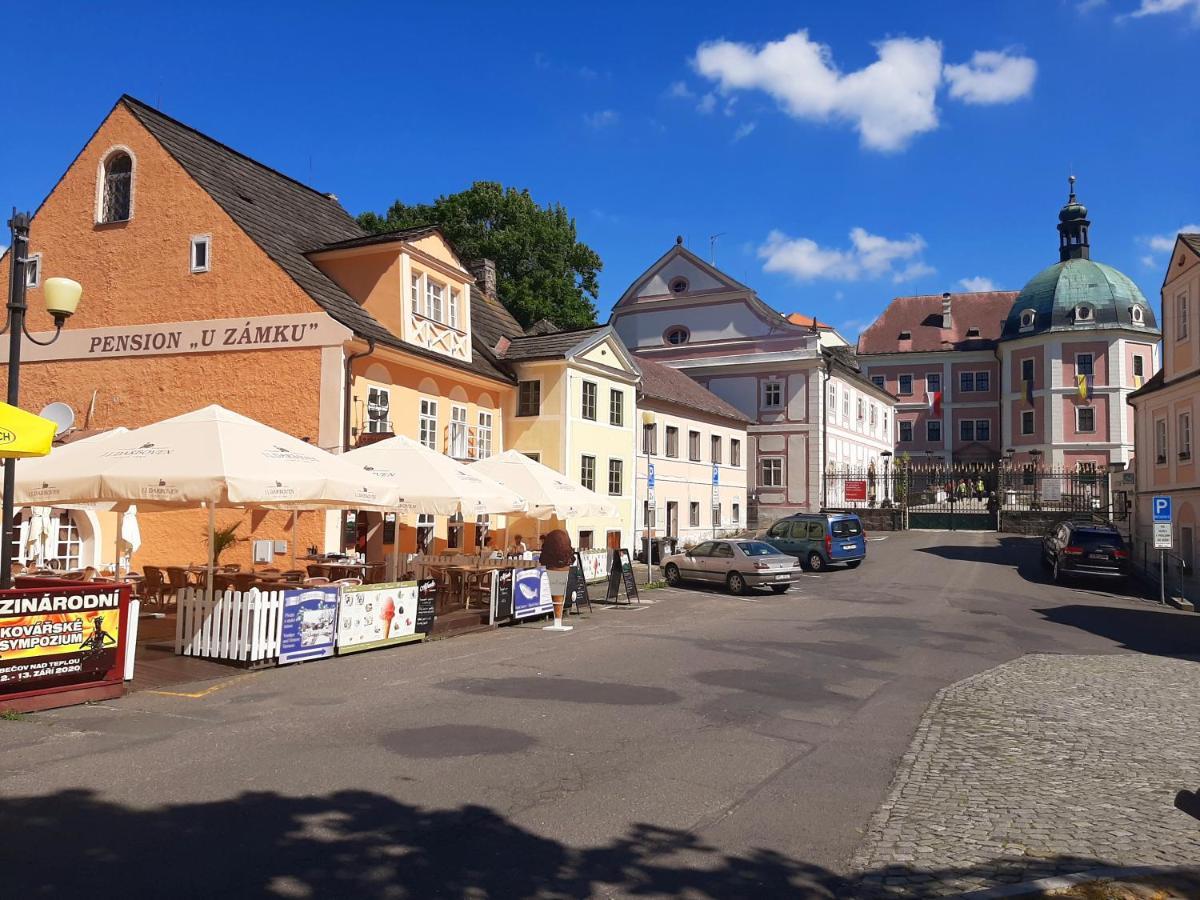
<point x="1078" y="295"/>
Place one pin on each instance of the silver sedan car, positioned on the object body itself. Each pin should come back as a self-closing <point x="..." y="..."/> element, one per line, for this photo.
<point x="739" y="564"/>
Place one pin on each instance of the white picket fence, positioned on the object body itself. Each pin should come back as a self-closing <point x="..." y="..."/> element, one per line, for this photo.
<point x="234" y="625"/>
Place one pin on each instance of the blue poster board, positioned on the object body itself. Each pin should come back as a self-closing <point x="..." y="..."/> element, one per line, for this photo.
<point x="531" y="593"/>
<point x="307" y="624"/>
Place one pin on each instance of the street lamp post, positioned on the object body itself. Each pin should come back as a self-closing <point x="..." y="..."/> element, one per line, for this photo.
<point x="887" y="484"/>
<point x="62" y="299"/>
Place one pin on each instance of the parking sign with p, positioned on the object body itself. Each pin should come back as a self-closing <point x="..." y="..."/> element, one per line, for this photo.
<point x="1161" y="508"/>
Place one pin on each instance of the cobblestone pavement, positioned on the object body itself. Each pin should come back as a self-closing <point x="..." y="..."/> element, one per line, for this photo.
<point x="1042" y="766"/>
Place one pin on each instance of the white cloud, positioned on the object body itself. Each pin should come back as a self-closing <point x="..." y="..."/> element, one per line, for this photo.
<point x="679" y="89"/>
<point x="977" y="283"/>
<point x="744" y="131"/>
<point x="1164" y="243"/>
<point x="602" y="118"/>
<point x="868" y="256"/>
<point x="707" y="103"/>
<point x="1149" y="262"/>
<point x="992" y="76"/>
<point x="888" y="102"/>
<point x="1159" y="7"/>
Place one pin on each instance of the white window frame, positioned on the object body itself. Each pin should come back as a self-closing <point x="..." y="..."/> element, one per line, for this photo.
<point x="452" y="308"/>
<point x="1139" y="362"/>
<point x="930" y="426"/>
<point x="483" y="436"/>
<point x="101" y="179"/>
<point x="769" y="387"/>
<point x="415" y="294"/>
<point x="538" y="406"/>
<point x="986" y="381"/>
<point x="1079" y="410"/>
<point x="902" y="439"/>
<point x="1184" y="435"/>
<point x="933" y="382"/>
<point x="1032" y="422"/>
<point x="1028" y="319"/>
<point x="425" y="524"/>
<point x="33" y="270"/>
<point x="832" y="399"/>
<point x="198" y="240"/>
<point x="770" y="471"/>
<point x="735" y="452"/>
<point x="963" y="434"/>
<point x="435" y="294"/>
<point x="716" y="449"/>
<point x="900" y="391"/>
<point x="1091" y="362"/>
<point x="374" y="424"/>
<point x="427" y="422"/>
<point x="586" y="478"/>
<point x="458" y="431"/>
<point x="736" y="514"/>
<point x="616" y="407"/>
<point x="1182" y="317"/>
<point x="1137" y="315"/>
<point x="1032" y="363"/>
<point x="860" y="409"/>
<point x="620" y="472"/>
<point x="694" y="514"/>
<point x="987" y="425"/>
<point x="1162" y="447"/>
<point x="1084" y="315"/>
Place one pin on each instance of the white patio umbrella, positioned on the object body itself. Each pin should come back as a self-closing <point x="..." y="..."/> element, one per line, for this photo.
<point x="550" y="494"/>
<point x="431" y="482"/>
<point x="211" y="457"/>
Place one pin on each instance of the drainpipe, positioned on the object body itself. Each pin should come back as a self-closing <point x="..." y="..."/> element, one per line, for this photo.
<point x="347" y="397"/>
<point x="825" y="432"/>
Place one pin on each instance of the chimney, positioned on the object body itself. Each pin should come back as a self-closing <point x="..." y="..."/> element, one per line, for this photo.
<point x="946" y="323"/>
<point x="484" y="271"/>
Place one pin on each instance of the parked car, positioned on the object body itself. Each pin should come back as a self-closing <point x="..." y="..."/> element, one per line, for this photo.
<point x="1085" y="548"/>
<point x="738" y="563"/>
<point x="819" y="539"/>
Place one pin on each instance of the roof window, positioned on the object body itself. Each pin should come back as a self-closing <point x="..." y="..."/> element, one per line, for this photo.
<point x="1028" y="317"/>
<point x="679" y="285"/>
<point x="1084" y="315"/>
<point x="906" y="335"/>
<point x="1137" y="314"/>
<point x="677" y="334"/>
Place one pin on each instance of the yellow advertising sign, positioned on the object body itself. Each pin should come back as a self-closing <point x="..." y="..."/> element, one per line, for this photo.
<point x="24" y="434"/>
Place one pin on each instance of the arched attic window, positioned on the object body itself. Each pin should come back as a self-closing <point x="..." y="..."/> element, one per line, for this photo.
<point x="116" y="188"/>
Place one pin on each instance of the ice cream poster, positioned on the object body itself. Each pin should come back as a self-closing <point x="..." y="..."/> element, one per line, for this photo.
<point x="308" y="625"/>
<point x="531" y="593"/>
<point x="376" y="616"/>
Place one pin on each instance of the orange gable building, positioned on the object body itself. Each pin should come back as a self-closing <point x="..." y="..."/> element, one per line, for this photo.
<point x="211" y="278"/>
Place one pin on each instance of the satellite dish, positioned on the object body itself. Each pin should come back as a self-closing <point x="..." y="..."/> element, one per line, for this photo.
<point x="61" y="415"/>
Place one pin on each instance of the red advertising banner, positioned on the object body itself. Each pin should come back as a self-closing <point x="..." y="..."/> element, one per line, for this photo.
<point x="856" y="490"/>
<point x="58" y="637"/>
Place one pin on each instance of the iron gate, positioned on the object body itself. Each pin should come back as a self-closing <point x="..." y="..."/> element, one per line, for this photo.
<point x="967" y="496"/>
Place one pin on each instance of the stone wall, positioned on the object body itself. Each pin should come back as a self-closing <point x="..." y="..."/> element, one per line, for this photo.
<point x="891" y="519"/>
<point x="1034" y="522"/>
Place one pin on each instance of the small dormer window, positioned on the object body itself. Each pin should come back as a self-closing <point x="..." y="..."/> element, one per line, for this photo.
<point x="679" y="285"/>
<point x="1084" y="315"/>
<point x="906" y="335"/>
<point x="1137" y="315"/>
<point x="972" y="332"/>
<point x="677" y="334"/>
<point x="1028" y="317"/>
<point x="116" y="188"/>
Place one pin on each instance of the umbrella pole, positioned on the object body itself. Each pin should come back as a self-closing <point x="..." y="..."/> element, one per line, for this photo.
<point x="396" y="548"/>
<point x="117" y="549"/>
<point x="212" y="543"/>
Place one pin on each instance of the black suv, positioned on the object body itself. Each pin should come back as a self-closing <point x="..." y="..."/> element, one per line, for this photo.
<point x="1085" y="548"/>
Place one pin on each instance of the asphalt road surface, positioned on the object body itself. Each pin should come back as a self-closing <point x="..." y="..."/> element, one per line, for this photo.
<point x="704" y="746"/>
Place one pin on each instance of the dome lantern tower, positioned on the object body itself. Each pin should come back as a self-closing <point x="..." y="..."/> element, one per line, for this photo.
<point x="1073" y="228"/>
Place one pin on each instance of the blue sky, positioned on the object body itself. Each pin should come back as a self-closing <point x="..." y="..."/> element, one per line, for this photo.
<point x="847" y="153"/>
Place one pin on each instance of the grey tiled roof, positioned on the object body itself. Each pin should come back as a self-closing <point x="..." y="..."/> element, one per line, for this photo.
<point x="385" y="237"/>
<point x="1192" y="240"/>
<point x="549" y="346"/>
<point x="491" y="320"/>
<point x="287" y="220"/>
<point x="660" y="382"/>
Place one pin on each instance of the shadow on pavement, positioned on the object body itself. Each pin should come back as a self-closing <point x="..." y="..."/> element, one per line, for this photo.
<point x="1153" y="630"/>
<point x="1023" y="555"/>
<point x="364" y="845"/>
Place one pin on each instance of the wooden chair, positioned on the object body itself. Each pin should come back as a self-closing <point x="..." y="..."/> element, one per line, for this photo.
<point x="317" y="571"/>
<point x="294" y="575"/>
<point x="153" y="584"/>
<point x="177" y="578"/>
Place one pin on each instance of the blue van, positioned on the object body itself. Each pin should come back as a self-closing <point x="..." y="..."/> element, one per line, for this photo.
<point x="819" y="539"/>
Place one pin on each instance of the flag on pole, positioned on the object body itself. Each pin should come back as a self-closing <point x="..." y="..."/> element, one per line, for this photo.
<point x="935" y="402"/>
<point x="1081" y="382"/>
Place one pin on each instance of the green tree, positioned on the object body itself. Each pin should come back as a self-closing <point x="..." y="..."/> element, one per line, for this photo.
<point x="543" y="271"/>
